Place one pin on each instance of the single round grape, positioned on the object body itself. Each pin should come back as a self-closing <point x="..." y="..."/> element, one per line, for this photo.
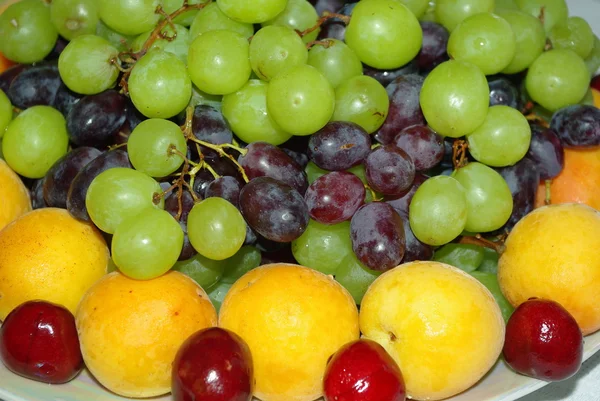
<point x="455" y="98"/>
<point x="179" y="46"/>
<point x="6" y="112"/>
<point x="530" y="39"/>
<point x="489" y="200"/>
<point x="211" y="18"/>
<point x="438" y="210"/>
<point x="355" y="277"/>
<point x="361" y="100"/>
<point x="450" y="13"/>
<point x="298" y="15"/>
<point x="247" y="114"/>
<point x="216" y="228"/>
<point x="85" y="65"/>
<point x="118" y="40"/>
<point x="276" y="48"/>
<point x="336" y="61"/>
<point x="334" y="197"/>
<point x="389" y="170"/>
<point x="322" y="247"/>
<point x="131" y="17"/>
<point x="577" y="126"/>
<point x="339" y="145"/>
<point x="27" y="32"/>
<point x="252" y="12"/>
<point x="573" y="34"/>
<point x="557" y="78"/>
<point x="159" y="85"/>
<point x="300" y="100"/>
<point x="204" y="271"/>
<point x="417" y="7"/>
<point x="218" y="62"/>
<point x="546" y="149"/>
<point x="147" y="244"/>
<point x="35" y="140"/>
<point x="503" y="138"/>
<point x="384" y="33"/>
<point x="118" y="193"/>
<point x="435" y="44"/>
<point x="152" y="144"/>
<point x="485" y="40"/>
<point x="466" y="257"/>
<point x="422" y="144"/>
<point x="74" y="18"/>
<point x="209" y="125"/>
<point x="225" y="187"/>
<point x="553" y="11"/>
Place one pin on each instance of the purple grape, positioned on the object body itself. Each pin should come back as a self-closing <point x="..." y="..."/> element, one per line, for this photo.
<point x="335" y="28"/>
<point x="83" y="179"/>
<point x="404" y="109"/>
<point x="377" y="234"/>
<point x="59" y="46"/>
<point x="274" y="209"/>
<point x="389" y="170"/>
<point x="172" y="206"/>
<point x="422" y="144"/>
<point x="385" y="77"/>
<point x="226" y="187"/>
<point x="8" y="75"/>
<point x="503" y="92"/>
<point x="339" y="145"/>
<point x="523" y="179"/>
<point x="251" y="236"/>
<point x="435" y="42"/>
<point x="546" y="151"/>
<point x="94" y="120"/>
<point x="281" y="255"/>
<point x="65" y="100"/>
<point x="577" y="125"/>
<point x="334" y="197"/>
<point x="221" y="164"/>
<point x="300" y="158"/>
<point x="63" y="172"/>
<point x="264" y="159"/>
<point x="209" y="125"/>
<point x="37" y="85"/>
<point x="402" y="203"/>
<point x="37" y="194"/>
<point x="297" y="147"/>
<point x="415" y="249"/>
<point x="202" y="181"/>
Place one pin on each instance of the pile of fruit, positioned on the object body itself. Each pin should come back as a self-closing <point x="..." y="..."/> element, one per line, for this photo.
<point x="294" y="199"/>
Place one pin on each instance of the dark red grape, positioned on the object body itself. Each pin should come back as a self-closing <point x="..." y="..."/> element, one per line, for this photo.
<point x="251" y="236"/>
<point x="334" y="28"/>
<point x="377" y="234"/>
<point x="503" y="92"/>
<point x="339" y="145"/>
<point x="37" y="85"/>
<point x="209" y="125"/>
<point x="300" y="158"/>
<point x="283" y="254"/>
<point x="577" y="125"/>
<point x="415" y="249"/>
<point x="59" y="46"/>
<point x="266" y="160"/>
<point x="334" y="197"/>
<point x="422" y="144"/>
<point x="8" y="75"/>
<point x="523" y="179"/>
<point x="81" y="183"/>
<point x="172" y="206"/>
<point x="95" y="118"/>
<point x="226" y="187"/>
<point x="404" y="109"/>
<point x="274" y="209"/>
<point x="389" y="170"/>
<point x="546" y="151"/>
<point x="65" y="99"/>
<point x="402" y="203"/>
<point x="63" y="172"/>
<point x="385" y="77"/>
<point x="435" y="42"/>
<point x="37" y="194"/>
<point x="201" y="181"/>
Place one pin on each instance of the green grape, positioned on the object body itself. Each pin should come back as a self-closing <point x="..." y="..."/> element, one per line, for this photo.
<point x="490" y="281"/>
<point x="336" y="61"/>
<point x="490" y="261"/>
<point x="1" y="154"/>
<point x="178" y="46"/>
<point x="218" y="62"/>
<point x="361" y="100"/>
<point x="489" y="200"/>
<point x="355" y="277"/>
<point x="300" y="100"/>
<point x="417" y="7"/>
<point x="159" y="85"/>
<point x="117" y="40"/>
<point x="429" y="14"/>
<point x="216" y="228"/>
<point x="217" y="294"/>
<point x="150" y="147"/>
<point x="131" y="17"/>
<point x="438" y="210"/>
<point x="118" y="193"/>
<point x="557" y="78"/>
<point x="35" y="140"/>
<point x="248" y="117"/>
<point x="450" y="13"/>
<point x="573" y="34"/>
<point x="276" y="48"/>
<point x="147" y="244"/>
<point x="530" y="39"/>
<point x="505" y="5"/>
<point x="313" y="172"/>
<point x="485" y="40"/>
<point x="455" y="98"/>
<point x="85" y="65"/>
<point x="588" y="98"/>
<point x="554" y="11"/>
<point x="111" y="266"/>
<point x="384" y="33"/>
<point x="246" y="259"/>
<point x="322" y="247"/>
<point x="211" y="18"/>
<point x="6" y="112"/>
<point x="199" y="98"/>
<point x="593" y="60"/>
<point x="185" y="19"/>
<point x="252" y="12"/>
<point x="466" y="257"/>
<point x="298" y="15"/>
<point x="204" y="271"/>
<point x="27" y="32"/>
<point x="503" y="139"/>
<point x="74" y="18"/>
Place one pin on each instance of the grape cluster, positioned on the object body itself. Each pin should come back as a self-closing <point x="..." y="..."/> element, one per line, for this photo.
<point x="210" y="137"/>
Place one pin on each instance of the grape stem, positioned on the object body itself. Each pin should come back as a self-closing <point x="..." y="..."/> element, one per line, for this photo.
<point x="374" y="196"/>
<point x="548" y="197"/>
<point x="325" y="43"/>
<point x="326" y="17"/>
<point x="459" y="153"/>
<point x="480" y="241"/>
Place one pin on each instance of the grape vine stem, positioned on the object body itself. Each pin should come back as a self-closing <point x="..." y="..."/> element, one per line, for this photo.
<point x="459" y="153"/>
<point x="480" y="241"/>
<point x="326" y="17"/>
